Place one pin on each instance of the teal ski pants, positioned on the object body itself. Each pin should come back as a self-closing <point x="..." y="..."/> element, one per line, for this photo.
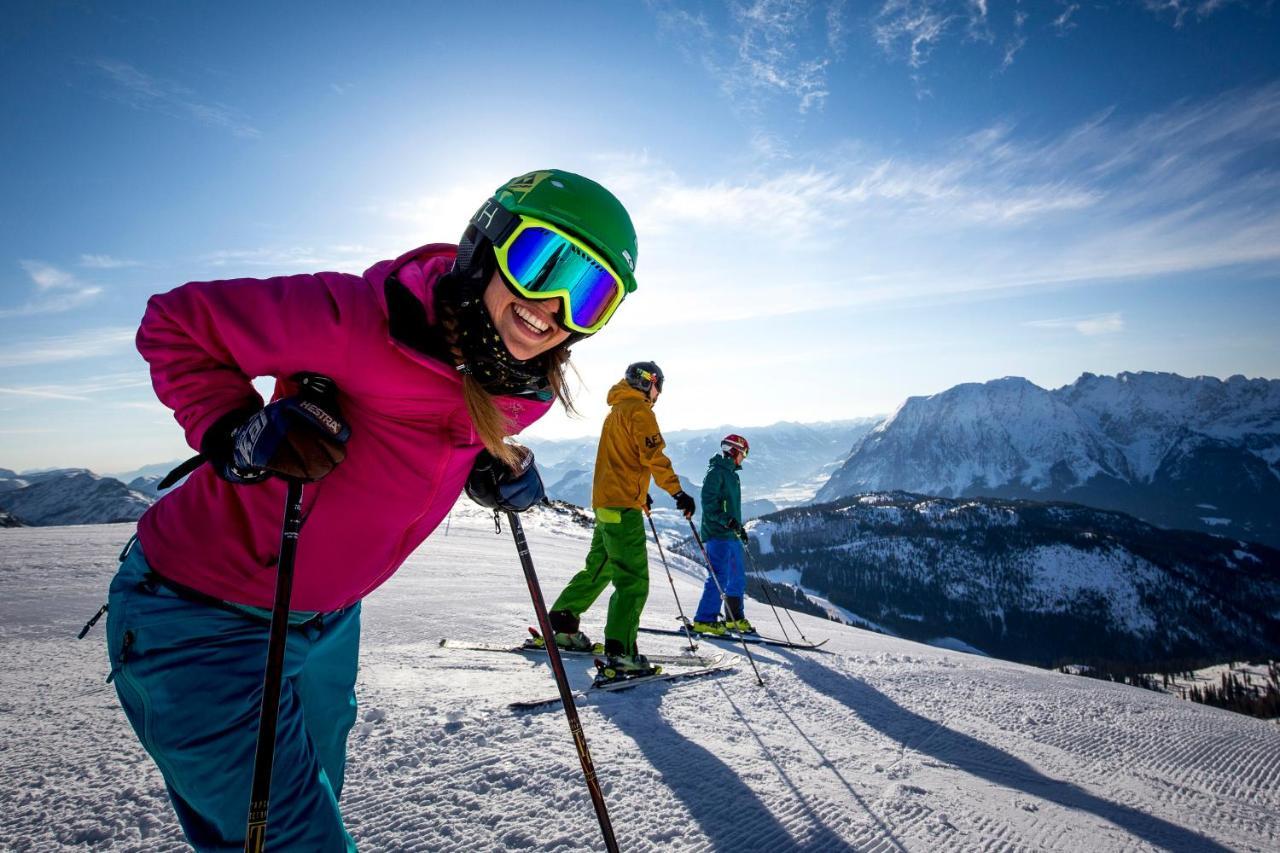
<point x="189" y="676"/>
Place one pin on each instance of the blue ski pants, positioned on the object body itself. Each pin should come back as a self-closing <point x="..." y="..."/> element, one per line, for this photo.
<point x="189" y="676"/>
<point x="727" y="563"/>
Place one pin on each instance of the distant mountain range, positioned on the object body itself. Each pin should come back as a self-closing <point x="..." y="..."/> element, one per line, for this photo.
<point x="788" y="461"/>
<point x="68" y="496"/>
<point x="1042" y="583"/>
<point x="1199" y="454"/>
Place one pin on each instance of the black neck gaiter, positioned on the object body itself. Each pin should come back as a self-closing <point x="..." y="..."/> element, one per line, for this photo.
<point x="463" y="324"/>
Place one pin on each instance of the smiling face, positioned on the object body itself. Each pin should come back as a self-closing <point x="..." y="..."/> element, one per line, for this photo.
<point x="528" y="328"/>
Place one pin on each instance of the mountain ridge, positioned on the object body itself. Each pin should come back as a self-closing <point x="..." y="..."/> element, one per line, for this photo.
<point x="1200" y="453"/>
<point x="1037" y="582"/>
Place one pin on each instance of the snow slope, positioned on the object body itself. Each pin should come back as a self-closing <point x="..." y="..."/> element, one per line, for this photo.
<point x="873" y="744"/>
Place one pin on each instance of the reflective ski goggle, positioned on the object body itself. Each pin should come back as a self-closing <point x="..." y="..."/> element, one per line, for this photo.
<point x="540" y="261"/>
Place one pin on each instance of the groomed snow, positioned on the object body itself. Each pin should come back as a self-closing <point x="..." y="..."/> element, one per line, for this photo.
<point x="872" y="744"/>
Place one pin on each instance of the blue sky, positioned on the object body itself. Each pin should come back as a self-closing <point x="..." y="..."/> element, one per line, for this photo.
<point x="839" y="204"/>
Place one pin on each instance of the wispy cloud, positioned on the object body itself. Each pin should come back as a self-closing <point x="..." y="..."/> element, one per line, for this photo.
<point x="56" y="290"/>
<point x="1178" y="10"/>
<point x="298" y="258"/>
<point x="1017" y="41"/>
<point x="143" y="91"/>
<point x="1091" y="326"/>
<point x="91" y="343"/>
<point x="107" y="262"/>
<point x="1063" y="23"/>
<point x="912" y="28"/>
<point x="1190" y="188"/>
<point x="85" y="389"/>
<point x="773" y="48"/>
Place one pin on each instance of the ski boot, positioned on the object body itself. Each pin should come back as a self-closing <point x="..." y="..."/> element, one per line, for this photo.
<point x="623" y="668"/>
<point x="577" y="642"/>
<point x="570" y="642"/>
<point x="715" y="629"/>
<point x="742" y="626"/>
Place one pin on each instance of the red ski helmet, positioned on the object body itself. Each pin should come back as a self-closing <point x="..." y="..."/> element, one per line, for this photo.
<point x="735" y="446"/>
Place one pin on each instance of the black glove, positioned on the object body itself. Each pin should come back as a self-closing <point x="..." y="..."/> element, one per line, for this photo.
<point x="300" y="438"/>
<point x="685" y="503"/>
<point x="739" y="530"/>
<point x="648" y="502"/>
<point x="492" y="484"/>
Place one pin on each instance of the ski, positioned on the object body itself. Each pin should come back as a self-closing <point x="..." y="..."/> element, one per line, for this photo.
<point x="671" y="660"/>
<point x="722" y="663"/>
<point x="733" y="638"/>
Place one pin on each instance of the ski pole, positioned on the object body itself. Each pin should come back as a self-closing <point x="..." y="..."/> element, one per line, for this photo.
<point x="768" y="596"/>
<point x="693" y="647"/>
<point x="723" y="599"/>
<point x="562" y="683"/>
<point x="260" y="797"/>
<point x="255" y="840"/>
<point x="764" y="583"/>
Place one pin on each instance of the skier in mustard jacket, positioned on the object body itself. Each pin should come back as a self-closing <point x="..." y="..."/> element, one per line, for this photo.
<point x="630" y="453"/>
<point x="725" y="537"/>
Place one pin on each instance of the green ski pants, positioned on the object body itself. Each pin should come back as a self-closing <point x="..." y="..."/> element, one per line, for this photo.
<point x="618" y="555"/>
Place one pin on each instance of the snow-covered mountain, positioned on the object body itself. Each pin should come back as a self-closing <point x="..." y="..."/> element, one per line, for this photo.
<point x="155" y="471"/>
<point x="70" y="496"/>
<point x="1035" y="582"/>
<point x="788" y="461"/>
<point x="1200" y="453"/>
<point x="873" y="743"/>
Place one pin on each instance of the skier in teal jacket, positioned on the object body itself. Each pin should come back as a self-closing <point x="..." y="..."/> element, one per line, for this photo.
<point x="724" y="537"/>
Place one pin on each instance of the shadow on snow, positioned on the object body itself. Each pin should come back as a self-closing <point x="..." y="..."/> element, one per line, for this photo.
<point x="985" y="761"/>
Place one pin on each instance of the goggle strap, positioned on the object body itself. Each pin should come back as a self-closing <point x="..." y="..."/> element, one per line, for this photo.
<point x="495" y="222"/>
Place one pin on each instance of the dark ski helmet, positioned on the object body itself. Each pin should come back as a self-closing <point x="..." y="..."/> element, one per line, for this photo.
<point x="643" y="375"/>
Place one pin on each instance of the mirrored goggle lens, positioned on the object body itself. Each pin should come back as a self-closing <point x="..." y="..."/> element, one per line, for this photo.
<point x="543" y="262"/>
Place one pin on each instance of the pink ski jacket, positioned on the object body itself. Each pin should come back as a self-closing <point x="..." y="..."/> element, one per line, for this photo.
<point x="412" y="441"/>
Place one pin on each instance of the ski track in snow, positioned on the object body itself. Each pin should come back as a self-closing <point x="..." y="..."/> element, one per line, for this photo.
<point x="871" y="744"/>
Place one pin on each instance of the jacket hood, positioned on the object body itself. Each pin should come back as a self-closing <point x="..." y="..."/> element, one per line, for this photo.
<point x="623" y="391"/>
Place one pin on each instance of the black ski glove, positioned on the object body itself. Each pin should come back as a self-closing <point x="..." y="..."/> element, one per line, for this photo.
<point x="492" y="484"/>
<point x="738" y="529"/>
<point x="685" y="503"/>
<point x="648" y="502"/>
<point x="300" y="438"/>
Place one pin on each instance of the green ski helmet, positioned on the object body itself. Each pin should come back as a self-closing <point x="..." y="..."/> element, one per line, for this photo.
<point x="580" y="206"/>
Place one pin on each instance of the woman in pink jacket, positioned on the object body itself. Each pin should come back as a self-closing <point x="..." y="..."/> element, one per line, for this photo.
<point x="437" y="356"/>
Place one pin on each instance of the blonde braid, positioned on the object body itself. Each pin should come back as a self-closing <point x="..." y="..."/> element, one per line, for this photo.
<point x="491" y="423"/>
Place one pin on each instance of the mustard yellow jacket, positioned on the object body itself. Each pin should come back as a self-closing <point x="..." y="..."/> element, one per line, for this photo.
<point x="630" y="452"/>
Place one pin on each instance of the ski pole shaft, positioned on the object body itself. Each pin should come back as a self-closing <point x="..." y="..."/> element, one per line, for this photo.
<point x="260" y="796"/>
<point x="562" y="683"/>
<point x="768" y="596"/>
<point x="765" y="583"/>
<point x="723" y="599"/>
<point x="693" y="647"/>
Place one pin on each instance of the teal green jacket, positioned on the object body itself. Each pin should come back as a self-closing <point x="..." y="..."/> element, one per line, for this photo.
<point x="721" y="498"/>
